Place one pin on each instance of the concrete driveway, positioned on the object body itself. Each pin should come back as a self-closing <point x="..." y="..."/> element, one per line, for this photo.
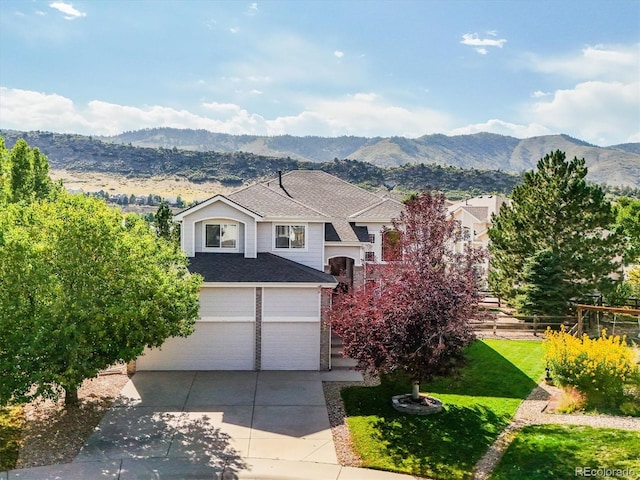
<point x="216" y="420"/>
<point x="213" y="425"/>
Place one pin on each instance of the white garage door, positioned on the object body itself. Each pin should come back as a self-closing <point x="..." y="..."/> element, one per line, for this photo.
<point x="223" y="339"/>
<point x="291" y="329"/>
<point x="212" y="346"/>
<point x="291" y="346"/>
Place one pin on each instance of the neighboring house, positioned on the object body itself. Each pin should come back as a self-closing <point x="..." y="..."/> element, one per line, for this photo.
<point x="474" y="216"/>
<point x="270" y="255"/>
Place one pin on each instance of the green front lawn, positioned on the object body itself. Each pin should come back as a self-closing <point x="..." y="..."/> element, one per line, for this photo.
<point x="479" y="402"/>
<point x="541" y="452"/>
<point x="11" y="421"/>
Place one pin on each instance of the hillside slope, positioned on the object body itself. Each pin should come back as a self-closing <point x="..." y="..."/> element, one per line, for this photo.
<point x="81" y="154"/>
<point x="615" y="165"/>
<point x="198" y="155"/>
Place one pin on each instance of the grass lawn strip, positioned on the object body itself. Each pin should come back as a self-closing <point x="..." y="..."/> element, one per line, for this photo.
<point x="541" y="452"/>
<point x="11" y="422"/>
<point x="479" y="404"/>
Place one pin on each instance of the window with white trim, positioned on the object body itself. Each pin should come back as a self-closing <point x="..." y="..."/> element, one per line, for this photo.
<point x="372" y="238"/>
<point x="221" y="236"/>
<point x="369" y="256"/>
<point x="290" y="236"/>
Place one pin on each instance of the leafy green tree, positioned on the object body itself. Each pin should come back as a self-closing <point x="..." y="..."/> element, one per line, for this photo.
<point x="21" y="179"/>
<point x="4" y="174"/>
<point x="555" y="209"/>
<point x="24" y="173"/>
<point x="83" y="287"/>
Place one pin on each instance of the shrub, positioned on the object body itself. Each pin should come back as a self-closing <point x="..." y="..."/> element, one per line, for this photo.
<point x="597" y="367"/>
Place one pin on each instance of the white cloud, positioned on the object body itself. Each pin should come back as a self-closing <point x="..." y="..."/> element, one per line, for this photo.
<point x="252" y="9"/>
<point x="364" y="114"/>
<point x="602" y="107"/>
<point x="70" y="12"/>
<point x="619" y="63"/>
<point x="40" y="12"/>
<point x="338" y="54"/>
<point x="603" y="113"/>
<point x="29" y="110"/>
<point x="480" y="44"/>
<point x="234" y="29"/>
<point x="539" y="94"/>
<point x="599" y="112"/>
<point x="503" y="128"/>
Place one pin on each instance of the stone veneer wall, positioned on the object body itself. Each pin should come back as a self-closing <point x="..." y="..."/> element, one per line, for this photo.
<point x="325" y="331"/>
<point x="358" y="277"/>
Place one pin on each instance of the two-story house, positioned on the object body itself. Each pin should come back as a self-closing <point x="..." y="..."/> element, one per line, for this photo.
<point x="271" y="255"/>
<point x="474" y="216"/>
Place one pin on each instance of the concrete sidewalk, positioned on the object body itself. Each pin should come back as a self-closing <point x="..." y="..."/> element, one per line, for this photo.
<point x="212" y="425"/>
<point x="175" y="468"/>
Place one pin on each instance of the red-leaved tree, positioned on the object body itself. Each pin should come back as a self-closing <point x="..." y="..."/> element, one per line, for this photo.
<point x="415" y="316"/>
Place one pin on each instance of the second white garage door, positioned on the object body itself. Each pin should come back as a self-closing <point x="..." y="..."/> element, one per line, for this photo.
<point x="290" y="329"/>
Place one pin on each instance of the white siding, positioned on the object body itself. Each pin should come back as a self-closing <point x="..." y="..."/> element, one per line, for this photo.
<point x="291" y="305"/>
<point x="192" y="234"/>
<point x="291" y="346"/>
<point x="212" y="346"/>
<point x="354" y="252"/>
<point x="311" y="256"/>
<point x="227" y="304"/>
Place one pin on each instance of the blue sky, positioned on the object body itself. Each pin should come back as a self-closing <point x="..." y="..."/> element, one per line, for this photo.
<point x="321" y="67"/>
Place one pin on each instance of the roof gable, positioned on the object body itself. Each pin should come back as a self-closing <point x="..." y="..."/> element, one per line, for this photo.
<point x="217" y="198"/>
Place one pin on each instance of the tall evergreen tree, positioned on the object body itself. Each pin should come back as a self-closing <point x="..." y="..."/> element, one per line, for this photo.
<point x="555" y="209"/>
<point x="543" y="291"/>
<point x="164" y="224"/>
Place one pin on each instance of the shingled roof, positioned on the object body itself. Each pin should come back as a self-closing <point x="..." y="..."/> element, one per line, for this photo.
<point x="314" y="195"/>
<point x="266" y="268"/>
<point x="333" y="197"/>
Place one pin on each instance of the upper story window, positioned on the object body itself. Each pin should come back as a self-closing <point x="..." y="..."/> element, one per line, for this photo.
<point x="290" y="236"/>
<point x="372" y="238"/>
<point x="221" y="235"/>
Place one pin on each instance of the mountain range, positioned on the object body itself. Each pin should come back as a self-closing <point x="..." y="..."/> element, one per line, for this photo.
<point x="200" y="155"/>
<point x="613" y="165"/>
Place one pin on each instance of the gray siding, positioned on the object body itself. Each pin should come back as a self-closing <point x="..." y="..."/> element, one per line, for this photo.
<point x="312" y="256"/>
